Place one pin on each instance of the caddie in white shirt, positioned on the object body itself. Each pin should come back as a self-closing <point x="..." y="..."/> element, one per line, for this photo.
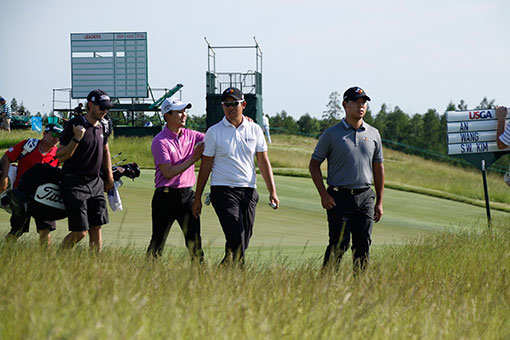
<point x="230" y="149"/>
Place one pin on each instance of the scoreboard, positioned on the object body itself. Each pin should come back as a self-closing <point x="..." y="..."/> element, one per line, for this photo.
<point x="113" y="62"/>
<point x="472" y="135"/>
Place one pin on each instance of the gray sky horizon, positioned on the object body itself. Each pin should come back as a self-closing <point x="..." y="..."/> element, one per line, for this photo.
<point x="415" y="55"/>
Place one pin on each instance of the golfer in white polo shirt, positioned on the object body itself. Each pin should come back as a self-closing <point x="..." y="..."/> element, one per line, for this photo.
<point x="230" y="148"/>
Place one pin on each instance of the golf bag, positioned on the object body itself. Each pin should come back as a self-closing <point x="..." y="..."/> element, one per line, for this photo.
<point x="38" y="192"/>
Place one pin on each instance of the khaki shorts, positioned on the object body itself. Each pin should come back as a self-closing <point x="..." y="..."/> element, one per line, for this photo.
<point x="6" y="123"/>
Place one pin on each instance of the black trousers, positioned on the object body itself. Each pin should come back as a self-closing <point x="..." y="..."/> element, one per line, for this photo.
<point x="352" y="215"/>
<point x="235" y="208"/>
<point x="167" y="207"/>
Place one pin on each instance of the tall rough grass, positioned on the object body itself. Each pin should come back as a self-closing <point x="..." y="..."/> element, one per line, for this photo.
<point x="443" y="286"/>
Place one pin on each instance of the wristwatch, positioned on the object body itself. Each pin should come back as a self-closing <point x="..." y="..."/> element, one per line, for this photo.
<point x="76" y="140"/>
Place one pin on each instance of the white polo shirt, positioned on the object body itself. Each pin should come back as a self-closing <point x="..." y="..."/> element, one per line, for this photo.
<point x="234" y="152"/>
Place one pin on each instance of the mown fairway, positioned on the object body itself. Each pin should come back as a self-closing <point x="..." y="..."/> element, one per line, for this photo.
<point x="299" y="223"/>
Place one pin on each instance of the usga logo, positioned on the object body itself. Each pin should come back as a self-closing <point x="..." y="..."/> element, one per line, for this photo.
<point x="480" y="114"/>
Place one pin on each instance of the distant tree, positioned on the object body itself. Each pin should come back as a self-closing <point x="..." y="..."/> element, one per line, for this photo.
<point x="381" y="119"/>
<point x="397" y="126"/>
<point x="451" y="106"/>
<point x="368" y="117"/>
<point x="432" y="130"/>
<point x="14" y="105"/>
<point x="308" y="125"/>
<point x="284" y="122"/>
<point x="197" y="123"/>
<point x="416" y="127"/>
<point x="334" y="111"/>
<point x="486" y="104"/>
<point x="462" y="105"/>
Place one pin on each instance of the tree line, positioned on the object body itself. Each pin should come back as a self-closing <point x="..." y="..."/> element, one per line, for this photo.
<point x="426" y="130"/>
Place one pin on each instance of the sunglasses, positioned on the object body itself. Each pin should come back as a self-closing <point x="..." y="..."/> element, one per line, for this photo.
<point x="55" y="134"/>
<point x="232" y="104"/>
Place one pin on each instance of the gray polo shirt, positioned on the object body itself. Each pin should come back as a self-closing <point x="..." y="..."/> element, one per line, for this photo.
<point x="350" y="154"/>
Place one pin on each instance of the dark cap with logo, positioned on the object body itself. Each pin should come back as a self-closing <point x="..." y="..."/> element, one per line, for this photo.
<point x="232" y="92"/>
<point x="100" y="98"/>
<point x="54" y="128"/>
<point x="354" y="93"/>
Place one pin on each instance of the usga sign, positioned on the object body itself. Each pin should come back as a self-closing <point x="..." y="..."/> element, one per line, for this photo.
<point x="471" y="135"/>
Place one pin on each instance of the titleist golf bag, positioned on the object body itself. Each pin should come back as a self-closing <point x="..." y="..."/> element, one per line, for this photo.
<point x="38" y="192"/>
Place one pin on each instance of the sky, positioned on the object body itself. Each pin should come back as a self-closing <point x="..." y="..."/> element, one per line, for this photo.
<point x="414" y="54"/>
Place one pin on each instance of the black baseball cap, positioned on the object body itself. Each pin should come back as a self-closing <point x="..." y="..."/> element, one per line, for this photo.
<point x="354" y="93"/>
<point x="100" y="98"/>
<point x="232" y="92"/>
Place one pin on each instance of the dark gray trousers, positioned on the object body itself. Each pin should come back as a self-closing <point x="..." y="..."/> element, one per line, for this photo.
<point x="352" y="215"/>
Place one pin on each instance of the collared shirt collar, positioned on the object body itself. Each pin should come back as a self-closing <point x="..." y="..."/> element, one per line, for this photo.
<point x="172" y="134"/>
<point x="346" y="125"/>
<point x="227" y="123"/>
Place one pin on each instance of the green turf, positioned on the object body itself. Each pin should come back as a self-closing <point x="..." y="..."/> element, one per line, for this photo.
<point x="298" y="227"/>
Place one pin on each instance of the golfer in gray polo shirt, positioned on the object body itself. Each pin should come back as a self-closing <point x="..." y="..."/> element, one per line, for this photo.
<point x="354" y="153"/>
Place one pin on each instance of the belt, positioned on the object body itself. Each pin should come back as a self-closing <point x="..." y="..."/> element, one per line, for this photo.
<point x="170" y="189"/>
<point x="86" y="178"/>
<point x="349" y="191"/>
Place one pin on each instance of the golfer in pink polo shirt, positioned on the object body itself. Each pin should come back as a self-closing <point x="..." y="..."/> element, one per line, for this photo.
<point x="175" y="151"/>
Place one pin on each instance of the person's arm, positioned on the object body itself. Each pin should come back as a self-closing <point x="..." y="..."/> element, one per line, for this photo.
<point x="327" y="201"/>
<point x="203" y="175"/>
<point x="501" y="115"/>
<point x="267" y="174"/>
<point x="170" y="171"/>
<point x="378" y="170"/>
<point x="107" y="168"/>
<point x="64" y="152"/>
<point x="4" y="177"/>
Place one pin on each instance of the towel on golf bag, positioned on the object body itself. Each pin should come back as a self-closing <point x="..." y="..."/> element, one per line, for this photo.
<point x="114" y="197"/>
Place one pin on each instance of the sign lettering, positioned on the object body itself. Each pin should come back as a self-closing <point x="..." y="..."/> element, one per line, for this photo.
<point x="93" y="36"/>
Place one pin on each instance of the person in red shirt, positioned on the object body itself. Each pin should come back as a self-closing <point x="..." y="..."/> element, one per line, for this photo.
<point x="27" y="153"/>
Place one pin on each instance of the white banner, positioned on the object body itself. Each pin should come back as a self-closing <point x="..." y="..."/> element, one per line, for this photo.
<point x="473" y="115"/>
<point x="481" y="125"/>
<point x="472" y="136"/>
<point x="479" y="147"/>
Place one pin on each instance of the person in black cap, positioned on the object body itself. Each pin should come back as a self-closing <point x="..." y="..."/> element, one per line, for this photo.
<point x="26" y="154"/>
<point x="355" y="159"/>
<point x="85" y="153"/>
<point x="78" y="110"/>
<point x="230" y="148"/>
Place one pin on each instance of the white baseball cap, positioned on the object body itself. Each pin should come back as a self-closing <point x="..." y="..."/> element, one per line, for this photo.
<point x="173" y="105"/>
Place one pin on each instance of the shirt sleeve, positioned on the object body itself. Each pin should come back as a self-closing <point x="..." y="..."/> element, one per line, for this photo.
<point x="210" y="143"/>
<point x="14" y="152"/>
<point x="261" y="140"/>
<point x="199" y="137"/>
<point x="67" y="134"/>
<point x="322" y="149"/>
<point x="378" y="154"/>
<point x="505" y="136"/>
<point x="160" y="152"/>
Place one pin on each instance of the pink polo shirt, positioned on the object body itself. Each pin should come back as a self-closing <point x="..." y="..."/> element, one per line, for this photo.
<point x="168" y="148"/>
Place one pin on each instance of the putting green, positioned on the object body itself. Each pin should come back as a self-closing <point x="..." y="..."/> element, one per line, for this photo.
<point x="300" y="222"/>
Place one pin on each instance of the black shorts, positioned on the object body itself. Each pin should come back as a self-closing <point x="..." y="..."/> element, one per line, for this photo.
<point x="84" y="201"/>
<point x="21" y="224"/>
